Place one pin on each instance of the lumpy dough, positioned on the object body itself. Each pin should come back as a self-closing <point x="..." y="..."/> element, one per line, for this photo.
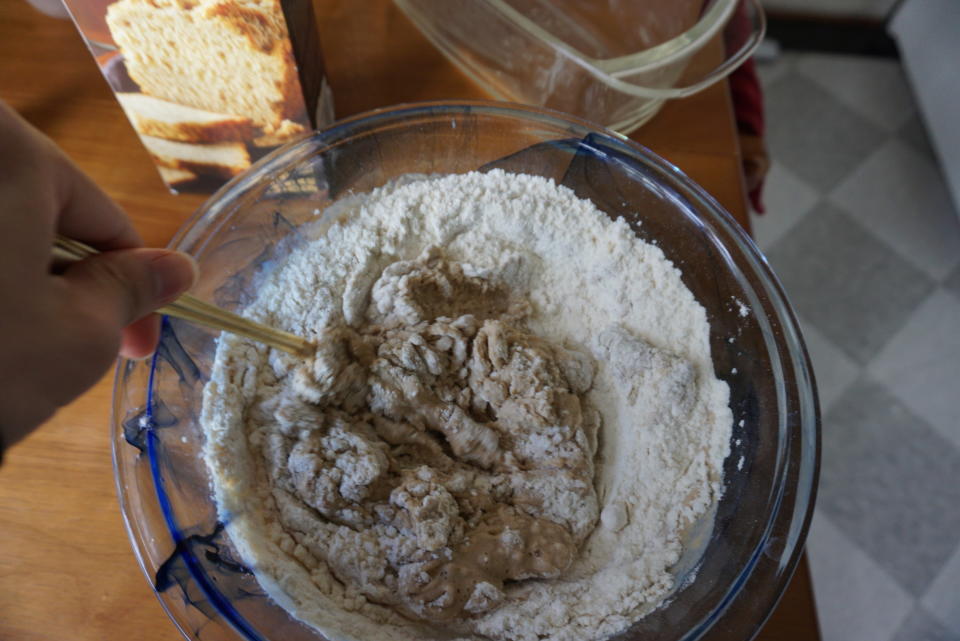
<point x="430" y="430"/>
<point x="510" y="422"/>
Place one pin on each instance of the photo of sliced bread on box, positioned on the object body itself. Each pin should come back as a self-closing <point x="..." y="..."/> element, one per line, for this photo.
<point x="207" y="83"/>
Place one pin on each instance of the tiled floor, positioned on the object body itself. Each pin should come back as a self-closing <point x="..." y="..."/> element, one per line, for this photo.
<point x="861" y="230"/>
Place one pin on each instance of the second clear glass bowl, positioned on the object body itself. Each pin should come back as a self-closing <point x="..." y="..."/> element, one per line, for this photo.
<point x="609" y="61"/>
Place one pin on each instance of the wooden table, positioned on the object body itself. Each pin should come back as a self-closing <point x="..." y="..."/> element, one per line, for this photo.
<point x="66" y="568"/>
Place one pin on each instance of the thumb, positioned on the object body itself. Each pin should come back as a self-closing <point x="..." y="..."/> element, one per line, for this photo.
<point x="126" y="285"/>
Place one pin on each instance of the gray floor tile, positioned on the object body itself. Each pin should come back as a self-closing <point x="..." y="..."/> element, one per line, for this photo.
<point x="834" y="370"/>
<point x="920" y="626"/>
<point x="846" y="282"/>
<point x="900" y="195"/>
<point x="856" y="600"/>
<point x="914" y="133"/>
<point x="942" y="599"/>
<point x="813" y="133"/>
<point x="787" y="198"/>
<point x="771" y="70"/>
<point x="889" y="484"/>
<point x="952" y="282"/>
<point x="875" y="88"/>
<point x="921" y="364"/>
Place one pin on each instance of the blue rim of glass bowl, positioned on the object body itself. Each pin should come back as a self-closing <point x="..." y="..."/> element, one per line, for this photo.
<point x="809" y="442"/>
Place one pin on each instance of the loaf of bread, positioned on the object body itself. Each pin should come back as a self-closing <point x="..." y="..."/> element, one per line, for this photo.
<point x="163" y="119"/>
<point x="224" y="56"/>
<point x="225" y="159"/>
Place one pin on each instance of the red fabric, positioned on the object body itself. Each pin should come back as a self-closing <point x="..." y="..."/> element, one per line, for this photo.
<point x="746" y="92"/>
<point x="747" y="99"/>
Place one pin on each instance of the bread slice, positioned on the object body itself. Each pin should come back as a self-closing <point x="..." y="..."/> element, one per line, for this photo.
<point x="155" y="117"/>
<point x="225" y="159"/>
<point x="176" y="177"/>
<point x="225" y="56"/>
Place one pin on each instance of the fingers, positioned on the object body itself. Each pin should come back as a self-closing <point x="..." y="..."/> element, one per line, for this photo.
<point x="75" y="329"/>
<point x="68" y="327"/>
<point x="116" y="288"/>
<point x="47" y="189"/>
<point x="28" y="196"/>
<point x="89" y="215"/>
<point x="140" y="337"/>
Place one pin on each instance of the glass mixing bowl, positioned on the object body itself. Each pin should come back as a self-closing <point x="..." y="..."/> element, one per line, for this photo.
<point x="735" y="567"/>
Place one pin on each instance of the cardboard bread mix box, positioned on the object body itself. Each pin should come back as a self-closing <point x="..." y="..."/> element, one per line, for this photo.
<point x="209" y="85"/>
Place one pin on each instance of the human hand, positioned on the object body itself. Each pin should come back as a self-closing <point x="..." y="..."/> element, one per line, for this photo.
<point x="59" y="332"/>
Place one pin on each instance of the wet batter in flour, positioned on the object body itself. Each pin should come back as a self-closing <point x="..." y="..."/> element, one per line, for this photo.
<point x="510" y="420"/>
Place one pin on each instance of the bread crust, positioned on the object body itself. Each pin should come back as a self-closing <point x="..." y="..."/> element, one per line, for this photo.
<point x="200" y="159"/>
<point x="193" y="132"/>
<point x="173" y="121"/>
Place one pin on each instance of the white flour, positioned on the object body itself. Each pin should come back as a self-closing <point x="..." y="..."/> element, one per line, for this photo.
<point x="322" y="514"/>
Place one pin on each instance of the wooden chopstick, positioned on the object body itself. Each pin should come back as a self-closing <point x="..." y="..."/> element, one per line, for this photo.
<point x="201" y="312"/>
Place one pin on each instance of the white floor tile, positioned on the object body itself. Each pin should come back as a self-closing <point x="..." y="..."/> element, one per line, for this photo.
<point x="856" y="600"/>
<point x="875" y="88"/>
<point x="834" y="370"/>
<point x="787" y="198"/>
<point x="900" y="195"/>
<point x="942" y="600"/>
<point x="921" y="365"/>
